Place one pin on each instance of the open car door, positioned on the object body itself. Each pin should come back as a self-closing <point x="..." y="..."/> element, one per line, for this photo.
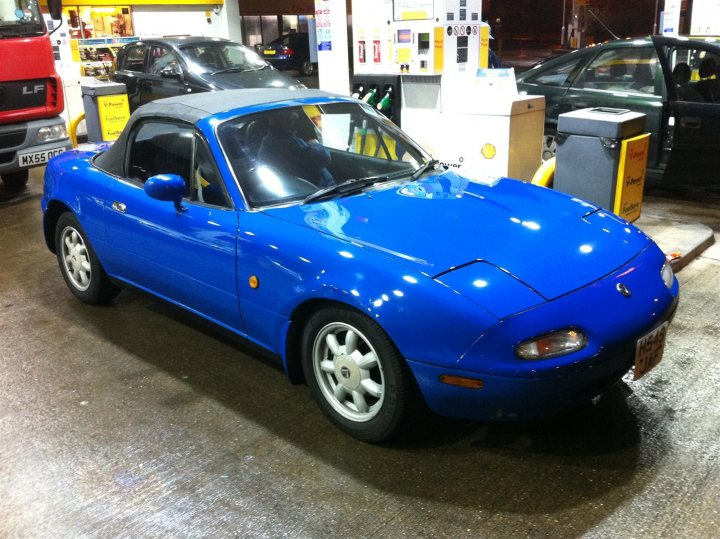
<point x="691" y="72"/>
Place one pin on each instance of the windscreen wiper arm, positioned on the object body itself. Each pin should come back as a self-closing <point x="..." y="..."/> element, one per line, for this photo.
<point x="424" y="168"/>
<point x="232" y="70"/>
<point x="350" y="186"/>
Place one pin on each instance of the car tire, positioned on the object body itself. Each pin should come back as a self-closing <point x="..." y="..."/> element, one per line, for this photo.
<point x="79" y="265"/>
<point x="15" y="181"/>
<point x="307" y="68"/>
<point x="356" y="375"/>
<point x="549" y="144"/>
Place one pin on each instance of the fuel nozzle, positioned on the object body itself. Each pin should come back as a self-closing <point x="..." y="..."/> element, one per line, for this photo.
<point x="358" y="91"/>
<point x="386" y="101"/>
<point x="371" y="97"/>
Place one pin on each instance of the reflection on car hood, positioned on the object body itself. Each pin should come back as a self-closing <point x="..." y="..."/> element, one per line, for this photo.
<point x="263" y="78"/>
<point x="549" y="241"/>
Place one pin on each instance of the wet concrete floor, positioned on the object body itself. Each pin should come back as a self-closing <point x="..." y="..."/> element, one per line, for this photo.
<point x="137" y="420"/>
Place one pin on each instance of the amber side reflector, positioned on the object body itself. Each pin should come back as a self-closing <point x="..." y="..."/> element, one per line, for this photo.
<point x="253" y="281"/>
<point x="469" y="383"/>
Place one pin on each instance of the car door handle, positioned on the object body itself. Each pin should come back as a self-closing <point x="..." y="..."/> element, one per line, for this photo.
<point x="691" y="122"/>
<point x="119" y="206"/>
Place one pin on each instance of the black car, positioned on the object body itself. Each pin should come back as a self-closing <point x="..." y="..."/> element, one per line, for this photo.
<point x="674" y="81"/>
<point x="156" y="68"/>
<point x="291" y="51"/>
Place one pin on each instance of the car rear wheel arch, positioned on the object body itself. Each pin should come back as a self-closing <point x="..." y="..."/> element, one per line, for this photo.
<point x="54" y="210"/>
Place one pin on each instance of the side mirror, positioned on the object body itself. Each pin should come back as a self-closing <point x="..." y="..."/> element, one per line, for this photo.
<point x="171" y="71"/>
<point x="169" y="187"/>
<point x="55" y="9"/>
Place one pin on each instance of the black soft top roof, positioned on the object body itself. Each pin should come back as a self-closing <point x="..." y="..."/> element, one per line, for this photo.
<point x="193" y="108"/>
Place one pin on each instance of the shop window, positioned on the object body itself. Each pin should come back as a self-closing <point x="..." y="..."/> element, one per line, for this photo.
<point x="270" y="28"/>
<point x="90" y="22"/>
<point x="252" y="36"/>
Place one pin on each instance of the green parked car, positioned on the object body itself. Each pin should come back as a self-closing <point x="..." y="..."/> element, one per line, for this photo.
<point x="674" y="81"/>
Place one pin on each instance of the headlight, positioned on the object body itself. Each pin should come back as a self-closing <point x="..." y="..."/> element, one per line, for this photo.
<point x="557" y="343"/>
<point x="47" y="134"/>
<point x="667" y="274"/>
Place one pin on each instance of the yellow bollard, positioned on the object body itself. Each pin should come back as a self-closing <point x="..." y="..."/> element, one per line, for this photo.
<point x="73" y="129"/>
<point x="545" y="174"/>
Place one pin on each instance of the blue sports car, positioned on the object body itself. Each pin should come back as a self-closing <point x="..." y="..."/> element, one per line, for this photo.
<point x="311" y="225"/>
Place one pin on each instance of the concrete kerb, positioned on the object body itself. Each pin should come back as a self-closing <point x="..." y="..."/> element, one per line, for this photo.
<point x="680" y="240"/>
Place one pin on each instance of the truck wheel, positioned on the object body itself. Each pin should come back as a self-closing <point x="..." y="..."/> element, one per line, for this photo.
<point x="15" y="180"/>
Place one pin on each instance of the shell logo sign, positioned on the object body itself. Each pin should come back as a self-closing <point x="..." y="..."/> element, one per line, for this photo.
<point x="488" y="151"/>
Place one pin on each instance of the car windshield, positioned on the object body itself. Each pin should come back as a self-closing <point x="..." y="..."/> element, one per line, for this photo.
<point x="213" y="57"/>
<point x="304" y="153"/>
<point x="20" y="18"/>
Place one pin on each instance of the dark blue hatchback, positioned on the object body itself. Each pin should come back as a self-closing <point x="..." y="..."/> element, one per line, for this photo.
<point x="291" y="51"/>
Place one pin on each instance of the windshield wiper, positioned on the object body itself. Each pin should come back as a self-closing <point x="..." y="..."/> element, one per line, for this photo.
<point x="232" y="70"/>
<point x="350" y="186"/>
<point x="424" y="168"/>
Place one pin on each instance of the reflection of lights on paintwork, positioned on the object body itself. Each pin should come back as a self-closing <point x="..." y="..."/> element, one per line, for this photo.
<point x="627" y="229"/>
<point x="515" y="220"/>
<point x="304" y="259"/>
<point x="586" y="248"/>
<point x="273" y="246"/>
<point x="601" y="214"/>
<point x="398" y="293"/>
<point x="606" y="230"/>
<point x="532" y="225"/>
<point x="213" y="223"/>
<point x="248" y="233"/>
<point x="345" y="254"/>
<point x="410" y="279"/>
<point x="378" y="303"/>
<point x="385" y="297"/>
<point x="480" y="283"/>
<point x="355" y="293"/>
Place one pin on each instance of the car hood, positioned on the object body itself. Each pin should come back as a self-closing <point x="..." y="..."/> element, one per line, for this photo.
<point x="547" y="240"/>
<point x="264" y="78"/>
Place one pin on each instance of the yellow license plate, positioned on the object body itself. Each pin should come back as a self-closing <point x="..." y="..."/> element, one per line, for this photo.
<point x="649" y="350"/>
<point x="269" y="52"/>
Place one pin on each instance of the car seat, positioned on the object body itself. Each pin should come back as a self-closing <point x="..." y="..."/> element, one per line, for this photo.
<point x="681" y="77"/>
<point x="709" y="87"/>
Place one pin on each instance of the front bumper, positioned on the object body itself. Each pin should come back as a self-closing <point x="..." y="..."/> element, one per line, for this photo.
<point x="23" y="139"/>
<point x="520" y="389"/>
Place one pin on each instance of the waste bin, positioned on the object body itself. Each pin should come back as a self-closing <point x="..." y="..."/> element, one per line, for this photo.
<point x="106" y="109"/>
<point x="602" y="158"/>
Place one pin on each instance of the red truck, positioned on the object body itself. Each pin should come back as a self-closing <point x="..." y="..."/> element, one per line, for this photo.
<point x="31" y="93"/>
